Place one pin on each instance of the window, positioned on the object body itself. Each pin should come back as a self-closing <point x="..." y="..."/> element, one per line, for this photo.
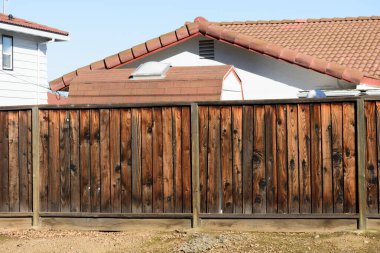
<point x="7" y="52"/>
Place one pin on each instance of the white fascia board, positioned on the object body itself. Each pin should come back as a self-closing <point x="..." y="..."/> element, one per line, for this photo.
<point x="30" y="31"/>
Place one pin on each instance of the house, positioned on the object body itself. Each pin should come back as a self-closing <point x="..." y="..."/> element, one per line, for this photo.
<point x="274" y="59"/>
<point x="23" y="75"/>
<point x="141" y="85"/>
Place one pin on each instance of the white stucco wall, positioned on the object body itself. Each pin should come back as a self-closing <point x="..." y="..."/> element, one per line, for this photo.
<point x="24" y="84"/>
<point x="263" y="77"/>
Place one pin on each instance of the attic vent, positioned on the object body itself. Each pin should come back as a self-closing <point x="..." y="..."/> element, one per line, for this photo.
<point x="151" y="70"/>
<point x="206" y="49"/>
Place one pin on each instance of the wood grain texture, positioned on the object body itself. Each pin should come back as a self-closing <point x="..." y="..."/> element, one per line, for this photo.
<point x="105" y="170"/>
<point x="30" y="161"/>
<point x="146" y="159"/>
<point x="136" y="161"/>
<point x="226" y="159"/>
<point x="293" y="173"/>
<point x="371" y="158"/>
<point x="126" y="160"/>
<point x="4" y="162"/>
<point x="44" y="159"/>
<point x="304" y="157"/>
<point x="74" y="161"/>
<point x="168" y="173"/>
<point x="115" y="168"/>
<point x="328" y="202"/>
<point x="14" y="173"/>
<point x="214" y="184"/>
<point x="186" y="159"/>
<point x="64" y="159"/>
<point x="282" y="170"/>
<point x="158" y="183"/>
<point x="271" y="158"/>
<point x="95" y="159"/>
<point x="54" y="177"/>
<point x="24" y="118"/>
<point x="203" y="147"/>
<point x="337" y="157"/>
<point x="349" y="158"/>
<point x="259" y="160"/>
<point x="248" y="156"/>
<point x="85" y="160"/>
<point x="316" y="159"/>
<point x="237" y="147"/>
<point x="177" y="158"/>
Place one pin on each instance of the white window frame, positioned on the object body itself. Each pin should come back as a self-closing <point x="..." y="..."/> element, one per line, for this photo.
<point x="3" y="53"/>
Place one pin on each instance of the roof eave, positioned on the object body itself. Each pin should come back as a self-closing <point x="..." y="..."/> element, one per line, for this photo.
<point x="34" y="32"/>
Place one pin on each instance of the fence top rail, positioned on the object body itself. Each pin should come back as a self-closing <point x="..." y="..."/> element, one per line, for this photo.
<point x="200" y="103"/>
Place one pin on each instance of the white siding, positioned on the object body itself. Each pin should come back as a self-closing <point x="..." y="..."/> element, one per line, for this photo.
<point x="263" y="77"/>
<point x="24" y="84"/>
<point x="231" y="89"/>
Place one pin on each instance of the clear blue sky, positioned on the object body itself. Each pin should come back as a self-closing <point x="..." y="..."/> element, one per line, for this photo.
<point x="101" y="28"/>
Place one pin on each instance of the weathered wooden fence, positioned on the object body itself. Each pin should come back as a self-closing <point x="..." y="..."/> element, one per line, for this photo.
<point x="245" y="160"/>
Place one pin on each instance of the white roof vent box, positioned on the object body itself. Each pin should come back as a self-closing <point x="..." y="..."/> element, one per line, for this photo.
<point x="150" y="70"/>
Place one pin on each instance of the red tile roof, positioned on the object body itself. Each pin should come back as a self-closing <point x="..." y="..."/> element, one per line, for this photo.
<point x="9" y="19"/>
<point x="322" y="46"/>
<point x="181" y="84"/>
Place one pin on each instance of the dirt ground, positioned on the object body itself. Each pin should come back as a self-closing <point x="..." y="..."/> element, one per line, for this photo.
<point x="44" y="240"/>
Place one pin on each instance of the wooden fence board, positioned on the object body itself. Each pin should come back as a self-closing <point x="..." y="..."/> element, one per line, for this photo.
<point x="114" y="155"/>
<point x="158" y="183"/>
<point x="64" y="159"/>
<point x="146" y="159"/>
<point x="95" y="160"/>
<point x="186" y="159"/>
<point x="326" y="127"/>
<point x="293" y="173"/>
<point x="126" y="161"/>
<point x="30" y="161"/>
<point x="248" y="157"/>
<point x="177" y="158"/>
<point x="4" y="162"/>
<point x="349" y="161"/>
<point x="282" y="170"/>
<point x="371" y="159"/>
<point x="136" y="161"/>
<point x="271" y="158"/>
<point x="14" y="187"/>
<point x="237" y="180"/>
<point x="23" y="161"/>
<point x="316" y="157"/>
<point x="337" y="158"/>
<point x="44" y="159"/>
<point x="304" y="157"/>
<point x="167" y="128"/>
<point x="214" y="193"/>
<point x="226" y="157"/>
<point x="85" y="160"/>
<point x="203" y="147"/>
<point x="105" y="186"/>
<point x="258" y="160"/>
<point x="74" y="161"/>
<point x="54" y="177"/>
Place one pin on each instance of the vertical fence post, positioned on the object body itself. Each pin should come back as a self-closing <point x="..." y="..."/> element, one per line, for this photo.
<point x="361" y="149"/>
<point x="195" y="164"/>
<point x="36" y="164"/>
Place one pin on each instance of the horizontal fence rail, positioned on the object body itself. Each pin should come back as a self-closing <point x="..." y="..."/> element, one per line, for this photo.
<point x="209" y="160"/>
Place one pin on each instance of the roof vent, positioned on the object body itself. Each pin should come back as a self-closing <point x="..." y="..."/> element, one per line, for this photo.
<point x="206" y="49"/>
<point x="151" y="70"/>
